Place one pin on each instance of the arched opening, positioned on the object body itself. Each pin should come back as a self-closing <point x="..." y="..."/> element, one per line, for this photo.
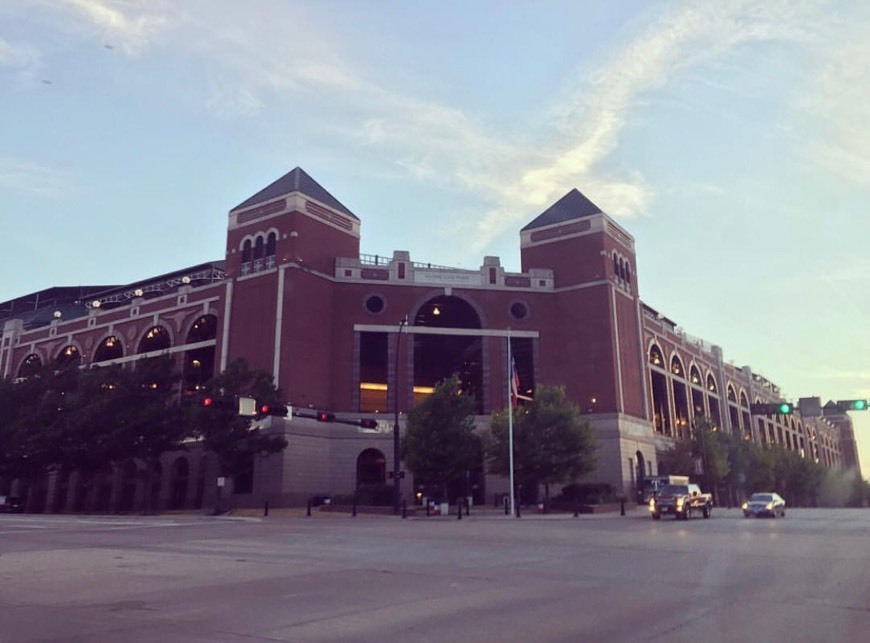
<point x="156" y="339"/>
<point x="438" y="357"/>
<point x="178" y="483"/>
<point x="30" y="366"/>
<point x="713" y="401"/>
<point x="660" y="397"/>
<point x="68" y="357"/>
<point x="681" y="398"/>
<point x="371" y="468"/>
<point x="198" y="365"/>
<point x="109" y="348"/>
<point x="154" y="492"/>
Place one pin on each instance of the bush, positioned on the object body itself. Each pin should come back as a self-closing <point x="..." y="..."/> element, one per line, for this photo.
<point x="588" y="493"/>
<point x="376" y="495"/>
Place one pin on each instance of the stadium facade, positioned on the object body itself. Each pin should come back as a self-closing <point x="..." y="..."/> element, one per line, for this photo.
<point x="365" y="336"/>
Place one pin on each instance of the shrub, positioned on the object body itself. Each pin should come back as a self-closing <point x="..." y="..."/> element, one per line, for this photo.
<point x="588" y="493"/>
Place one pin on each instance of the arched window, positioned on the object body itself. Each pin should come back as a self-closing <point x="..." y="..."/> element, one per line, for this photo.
<point x="677" y="366"/>
<point x="615" y="264"/>
<point x="711" y="383"/>
<point x="156" y="339"/>
<point x="655" y="356"/>
<point x="109" y="348"/>
<point x="258" y="248"/>
<point x="246" y="251"/>
<point x="30" y="366"/>
<point x="68" y="356"/>
<point x="270" y="244"/>
<point x="732" y="395"/>
<point x="695" y="376"/>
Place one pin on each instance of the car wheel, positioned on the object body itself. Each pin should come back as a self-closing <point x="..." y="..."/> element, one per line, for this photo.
<point x="707" y="511"/>
<point x="773" y="514"/>
<point x="657" y="516"/>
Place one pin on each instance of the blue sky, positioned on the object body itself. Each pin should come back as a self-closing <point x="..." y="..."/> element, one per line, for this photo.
<point x="730" y="138"/>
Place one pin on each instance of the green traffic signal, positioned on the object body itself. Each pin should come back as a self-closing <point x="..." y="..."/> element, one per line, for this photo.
<point x="785" y="408"/>
<point x="852" y="405"/>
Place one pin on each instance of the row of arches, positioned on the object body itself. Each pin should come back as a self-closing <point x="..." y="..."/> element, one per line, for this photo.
<point x="258" y="251"/>
<point x="155" y="338"/>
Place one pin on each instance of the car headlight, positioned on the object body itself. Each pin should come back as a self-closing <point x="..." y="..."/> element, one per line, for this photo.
<point x="679" y="501"/>
<point x="745" y="505"/>
<point x="652" y="504"/>
<point x="769" y="506"/>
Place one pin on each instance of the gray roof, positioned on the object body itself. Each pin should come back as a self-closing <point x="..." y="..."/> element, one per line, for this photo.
<point x="296" y="180"/>
<point x="571" y="206"/>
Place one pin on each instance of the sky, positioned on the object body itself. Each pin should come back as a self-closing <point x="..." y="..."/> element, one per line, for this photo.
<point x="730" y="138"/>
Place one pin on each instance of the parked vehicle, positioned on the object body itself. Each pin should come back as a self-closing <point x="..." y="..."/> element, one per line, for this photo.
<point x="654" y="484"/>
<point x="764" y="504"/>
<point x="11" y="505"/>
<point x="681" y="500"/>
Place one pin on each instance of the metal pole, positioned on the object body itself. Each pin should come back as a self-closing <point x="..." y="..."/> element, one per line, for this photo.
<point x="510" y="423"/>
<point x="397" y="492"/>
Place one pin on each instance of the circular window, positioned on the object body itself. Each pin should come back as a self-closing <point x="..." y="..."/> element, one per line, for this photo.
<point x="375" y="304"/>
<point x="519" y="310"/>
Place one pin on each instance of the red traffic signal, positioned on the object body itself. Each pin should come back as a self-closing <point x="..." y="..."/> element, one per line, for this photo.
<point x="219" y="403"/>
<point x="276" y="410"/>
<point x="325" y="416"/>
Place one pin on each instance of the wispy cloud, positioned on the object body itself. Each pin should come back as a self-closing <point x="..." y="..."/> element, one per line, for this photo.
<point x="128" y="25"/>
<point x="250" y="65"/>
<point x="33" y="179"/>
<point x="16" y="55"/>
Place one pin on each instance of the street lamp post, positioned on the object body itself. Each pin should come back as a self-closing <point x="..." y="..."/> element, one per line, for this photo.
<point x="397" y="474"/>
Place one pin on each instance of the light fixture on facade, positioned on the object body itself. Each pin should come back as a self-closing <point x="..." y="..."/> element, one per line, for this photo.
<point x="58" y="314"/>
<point x="95" y="303"/>
<point x="138" y="292"/>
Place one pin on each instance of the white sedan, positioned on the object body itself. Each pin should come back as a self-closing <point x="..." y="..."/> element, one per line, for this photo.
<point x="764" y="504"/>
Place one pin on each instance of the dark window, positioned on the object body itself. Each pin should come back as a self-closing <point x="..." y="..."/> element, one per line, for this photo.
<point x="375" y="304"/>
<point x="270" y="245"/>
<point x="519" y="310"/>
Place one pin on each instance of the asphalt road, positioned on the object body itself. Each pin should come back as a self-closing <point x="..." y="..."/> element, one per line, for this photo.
<point x="485" y="578"/>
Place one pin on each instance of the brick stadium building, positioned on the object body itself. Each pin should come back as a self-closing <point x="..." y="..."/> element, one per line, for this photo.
<point x="295" y="296"/>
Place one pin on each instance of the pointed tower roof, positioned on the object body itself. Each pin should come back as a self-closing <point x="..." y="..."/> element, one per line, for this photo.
<point x="296" y="180"/>
<point x="573" y="205"/>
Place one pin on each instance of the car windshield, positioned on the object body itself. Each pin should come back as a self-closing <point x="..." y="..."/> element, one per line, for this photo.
<point x="762" y="497"/>
<point x="674" y="489"/>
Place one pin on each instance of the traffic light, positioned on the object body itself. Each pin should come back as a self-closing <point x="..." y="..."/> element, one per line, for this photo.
<point x="777" y="408"/>
<point x="275" y="410"/>
<point x="218" y="403"/>
<point x="325" y="416"/>
<point x="852" y="405"/>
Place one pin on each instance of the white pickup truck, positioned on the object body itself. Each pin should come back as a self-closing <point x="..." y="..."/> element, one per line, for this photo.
<point x="682" y="500"/>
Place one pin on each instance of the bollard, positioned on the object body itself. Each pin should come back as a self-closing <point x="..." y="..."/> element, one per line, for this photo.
<point x="576" y="509"/>
<point x="308" y="510"/>
<point x="353" y="511"/>
<point x="519" y="515"/>
<point x="458" y="509"/>
<point x="507" y="510"/>
<point x="622" y="506"/>
<point x="404" y="509"/>
<point x="467" y="507"/>
<point x="266" y="509"/>
<point x="428" y="504"/>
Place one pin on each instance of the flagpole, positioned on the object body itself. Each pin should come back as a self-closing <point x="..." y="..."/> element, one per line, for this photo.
<point x="509" y="378"/>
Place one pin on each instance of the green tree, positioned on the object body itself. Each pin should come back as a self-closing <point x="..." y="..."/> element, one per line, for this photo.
<point x="236" y="440"/>
<point x="711" y="446"/>
<point x="552" y="444"/>
<point x="439" y="444"/>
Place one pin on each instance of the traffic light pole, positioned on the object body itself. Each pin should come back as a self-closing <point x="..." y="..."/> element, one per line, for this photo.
<point x="397" y="475"/>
